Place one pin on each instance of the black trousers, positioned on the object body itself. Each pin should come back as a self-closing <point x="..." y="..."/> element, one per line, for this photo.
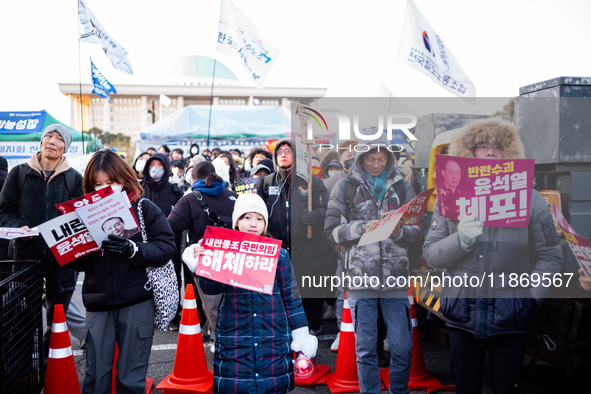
<point x="505" y="352"/>
<point x="313" y="310"/>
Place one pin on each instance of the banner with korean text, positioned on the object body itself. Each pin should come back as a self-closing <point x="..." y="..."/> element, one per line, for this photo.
<point x="580" y="246"/>
<point x="239" y="259"/>
<point x="497" y="191"/>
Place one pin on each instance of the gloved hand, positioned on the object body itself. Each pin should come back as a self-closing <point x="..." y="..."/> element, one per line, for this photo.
<point x="191" y="256"/>
<point x="304" y="342"/>
<point x="311" y="217"/>
<point x="468" y="229"/>
<point x="121" y="245"/>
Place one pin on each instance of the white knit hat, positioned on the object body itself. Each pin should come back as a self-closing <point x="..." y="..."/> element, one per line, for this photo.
<point x="222" y="169"/>
<point x="249" y="203"/>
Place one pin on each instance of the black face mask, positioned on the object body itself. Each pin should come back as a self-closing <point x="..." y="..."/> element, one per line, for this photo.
<point x="349" y="163"/>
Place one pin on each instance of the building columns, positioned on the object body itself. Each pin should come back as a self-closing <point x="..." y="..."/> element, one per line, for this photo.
<point x="107" y="116"/>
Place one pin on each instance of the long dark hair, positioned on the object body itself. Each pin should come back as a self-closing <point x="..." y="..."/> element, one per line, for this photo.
<point x="115" y="167"/>
<point x="205" y="170"/>
<point x="233" y="166"/>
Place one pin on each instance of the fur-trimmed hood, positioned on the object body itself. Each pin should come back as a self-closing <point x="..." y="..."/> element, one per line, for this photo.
<point x="488" y="131"/>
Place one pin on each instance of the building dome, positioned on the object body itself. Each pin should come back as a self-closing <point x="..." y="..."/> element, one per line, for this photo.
<point x="197" y="70"/>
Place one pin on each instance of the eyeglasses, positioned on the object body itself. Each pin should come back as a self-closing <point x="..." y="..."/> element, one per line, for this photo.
<point x="486" y="147"/>
<point x="282" y="151"/>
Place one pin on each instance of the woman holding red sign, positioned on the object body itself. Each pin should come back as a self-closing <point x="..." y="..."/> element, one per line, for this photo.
<point x="253" y="330"/>
<point x="118" y="306"/>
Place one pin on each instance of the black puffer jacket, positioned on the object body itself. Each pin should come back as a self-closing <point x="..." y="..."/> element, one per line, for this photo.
<point x="188" y="214"/>
<point x="112" y="281"/>
<point x="162" y="193"/>
<point x="35" y="204"/>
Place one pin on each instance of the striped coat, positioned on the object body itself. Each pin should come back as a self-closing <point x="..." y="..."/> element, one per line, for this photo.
<point x="253" y="334"/>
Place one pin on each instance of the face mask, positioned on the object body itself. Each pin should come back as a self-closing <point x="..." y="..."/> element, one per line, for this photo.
<point x="349" y="163"/>
<point x="139" y="165"/>
<point x="194" y="151"/>
<point x="332" y="173"/>
<point x="175" y="171"/>
<point x="115" y="186"/>
<point x="156" y="173"/>
<point x="188" y="178"/>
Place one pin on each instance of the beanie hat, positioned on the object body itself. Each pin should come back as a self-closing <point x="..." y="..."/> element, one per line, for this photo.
<point x="64" y="132"/>
<point x="266" y="164"/>
<point x="222" y="169"/>
<point x="249" y="202"/>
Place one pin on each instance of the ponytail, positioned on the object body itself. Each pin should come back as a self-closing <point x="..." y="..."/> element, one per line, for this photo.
<point x="211" y="178"/>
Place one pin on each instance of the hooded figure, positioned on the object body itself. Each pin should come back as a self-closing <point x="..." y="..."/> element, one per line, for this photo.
<point x="156" y="186"/>
<point x="286" y="197"/>
<point x="376" y="186"/>
<point x="491" y="318"/>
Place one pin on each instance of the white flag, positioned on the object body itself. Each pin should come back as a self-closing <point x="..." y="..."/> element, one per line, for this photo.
<point x="239" y="38"/>
<point x="94" y="33"/>
<point x="165" y="100"/>
<point x="422" y="49"/>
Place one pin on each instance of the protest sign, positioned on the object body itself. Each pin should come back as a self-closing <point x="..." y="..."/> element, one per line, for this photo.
<point x="67" y="238"/>
<point x="580" y="246"/>
<point x="239" y="259"/>
<point x="72" y="205"/>
<point x="553" y="196"/>
<point x="497" y="191"/>
<point x="12" y="233"/>
<point x="302" y="158"/>
<point x="244" y="185"/>
<point x="408" y="215"/>
<point x="317" y="172"/>
<point x="109" y="215"/>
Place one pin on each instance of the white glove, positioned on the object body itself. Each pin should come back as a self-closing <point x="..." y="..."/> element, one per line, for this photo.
<point x="304" y="342"/>
<point x="468" y="229"/>
<point x="189" y="257"/>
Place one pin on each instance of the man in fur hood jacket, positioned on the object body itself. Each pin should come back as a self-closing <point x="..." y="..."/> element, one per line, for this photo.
<point x="491" y="319"/>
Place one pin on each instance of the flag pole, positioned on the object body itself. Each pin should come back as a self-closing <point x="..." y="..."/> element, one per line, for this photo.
<point x="80" y="82"/>
<point x="211" y="103"/>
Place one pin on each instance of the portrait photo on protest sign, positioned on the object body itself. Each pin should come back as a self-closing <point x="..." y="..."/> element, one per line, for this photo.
<point x="239" y="259"/>
<point x="497" y="191"/>
<point x="109" y="215"/>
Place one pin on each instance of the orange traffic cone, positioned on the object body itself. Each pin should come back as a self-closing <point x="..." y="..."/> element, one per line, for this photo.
<point x="190" y="374"/>
<point x="344" y="379"/>
<point x="420" y="377"/>
<point x="61" y="377"/>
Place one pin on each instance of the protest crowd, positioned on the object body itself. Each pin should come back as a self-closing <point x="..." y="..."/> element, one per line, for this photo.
<point x="317" y="226"/>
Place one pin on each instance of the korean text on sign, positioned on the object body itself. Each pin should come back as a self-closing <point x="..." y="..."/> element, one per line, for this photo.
<point x="239" y="259"/>
<point x="497" y="191"/>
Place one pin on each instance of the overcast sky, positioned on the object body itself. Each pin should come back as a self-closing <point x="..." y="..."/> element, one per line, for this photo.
<point x="349" y="47"/>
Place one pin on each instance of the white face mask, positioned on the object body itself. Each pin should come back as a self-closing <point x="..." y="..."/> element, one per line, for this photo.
<point x="194" y="151"/>
<point x="333" y="173"/>
<point x="139" y="165"/>
<point x="115" y="186"/>
<point x="156" y="173"/>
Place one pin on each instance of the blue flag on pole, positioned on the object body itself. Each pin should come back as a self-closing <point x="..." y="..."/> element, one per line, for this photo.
<point x="100" y="85"/>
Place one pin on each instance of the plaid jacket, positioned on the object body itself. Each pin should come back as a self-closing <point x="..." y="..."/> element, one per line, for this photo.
<point x="253" y="334"/>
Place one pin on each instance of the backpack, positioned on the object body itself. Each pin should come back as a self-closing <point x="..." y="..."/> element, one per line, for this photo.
<point x="351" y="188"/>
<point x="266" y="185"/>
<point x="214" y="219"/>
<point x="22" y="175"/>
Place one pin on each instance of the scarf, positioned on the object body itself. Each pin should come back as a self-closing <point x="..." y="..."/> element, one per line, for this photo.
<point x="217" y="188"/>
<point x="377" y="184"/>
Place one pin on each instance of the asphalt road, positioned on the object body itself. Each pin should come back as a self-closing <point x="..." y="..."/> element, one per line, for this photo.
<point x="542" y="379"/>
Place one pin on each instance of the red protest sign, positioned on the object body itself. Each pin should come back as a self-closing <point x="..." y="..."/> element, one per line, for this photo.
<point x="67" y="238"/>
<point x="409" y="214"/>
<point x="497" y="191"/>
<point x="317" y="172"/>
<point x="72" y="205"/>
<point x="580" y="246"/>
<point x="239" y="259"/>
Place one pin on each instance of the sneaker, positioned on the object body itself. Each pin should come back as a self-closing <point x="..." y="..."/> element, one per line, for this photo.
<point x="386" y="349"/>
<point x="335" y="345"/>
<point x="316" y="332"/>
<point x="331" y="313"/>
